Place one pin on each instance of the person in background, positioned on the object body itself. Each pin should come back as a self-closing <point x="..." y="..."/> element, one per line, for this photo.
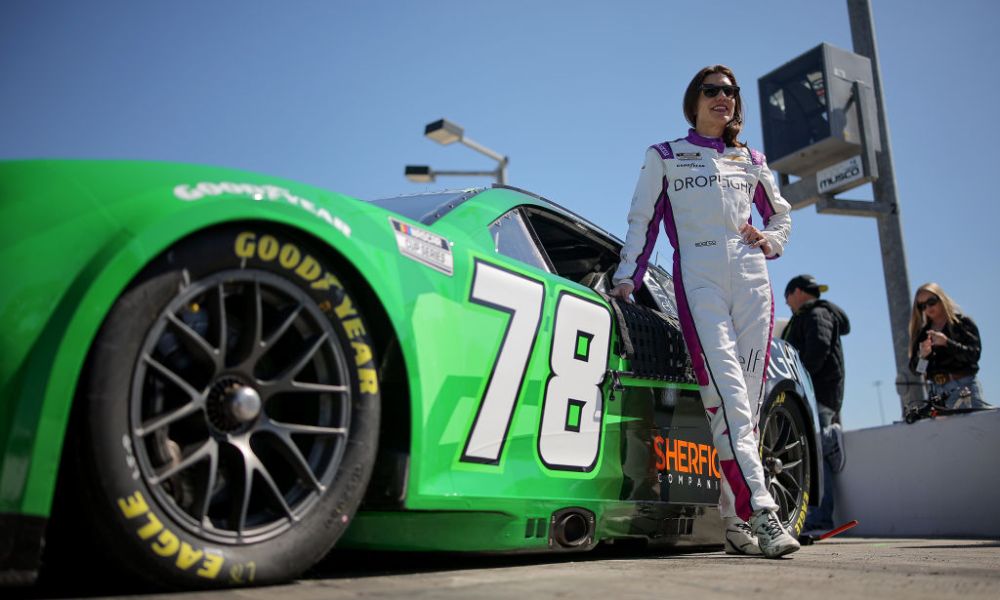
<point x="702" y="187"/>
<point x="815" y="329"/>
<point x="945" y="348"/>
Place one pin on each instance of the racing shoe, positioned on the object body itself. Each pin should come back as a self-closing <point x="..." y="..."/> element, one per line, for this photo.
<point x="740" y="540"/>
<point x="771" y="535"/>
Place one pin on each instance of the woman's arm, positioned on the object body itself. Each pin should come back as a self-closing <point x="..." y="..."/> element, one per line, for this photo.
<point x="773" y="208"/>
<point x="644" y="218"/>
<point x="964" y="343"/>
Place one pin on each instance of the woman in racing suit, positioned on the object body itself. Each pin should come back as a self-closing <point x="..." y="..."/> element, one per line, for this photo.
<point x="702" y="187"/>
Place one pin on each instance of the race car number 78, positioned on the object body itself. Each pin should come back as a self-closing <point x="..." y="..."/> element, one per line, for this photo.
<point x="572" y="415"/>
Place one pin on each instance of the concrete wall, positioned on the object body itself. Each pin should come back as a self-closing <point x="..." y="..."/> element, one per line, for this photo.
<point x="936" y="477"/>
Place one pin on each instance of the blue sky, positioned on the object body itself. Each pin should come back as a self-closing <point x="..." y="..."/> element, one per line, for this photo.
<point x="337" y="93"/>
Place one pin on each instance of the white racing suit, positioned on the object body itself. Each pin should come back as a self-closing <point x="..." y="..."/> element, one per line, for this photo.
<point x="702" y="191"/>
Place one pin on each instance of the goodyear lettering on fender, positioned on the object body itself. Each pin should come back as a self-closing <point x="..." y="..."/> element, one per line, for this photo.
<point x="164" y="542"/>
<point x="259" y="193"/>
<point x="290" y="257"/>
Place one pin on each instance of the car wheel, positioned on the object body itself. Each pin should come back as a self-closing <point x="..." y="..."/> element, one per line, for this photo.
<point x="231" y="412"/>
<point x="786" y="448"/>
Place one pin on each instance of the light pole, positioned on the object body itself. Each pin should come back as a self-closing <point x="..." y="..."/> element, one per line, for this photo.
<point x="890" y="230"/>
<point x="878" y="392"/>
<point x="445" y="132"/>
<point x="807" y="106"/>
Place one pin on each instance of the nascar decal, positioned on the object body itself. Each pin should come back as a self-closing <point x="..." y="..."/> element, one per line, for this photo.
<point x="423" y="246"/>
<point x="569" y="435"/>
<point x="258" y="193"/>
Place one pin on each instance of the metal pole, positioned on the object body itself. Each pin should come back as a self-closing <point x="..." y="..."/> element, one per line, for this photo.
<point x="481" y="149"/>
<point x="878" y="392"/>
<point x="897" y="282"/>
<point x="466" y="173"/>
<point x="501" y="173"/>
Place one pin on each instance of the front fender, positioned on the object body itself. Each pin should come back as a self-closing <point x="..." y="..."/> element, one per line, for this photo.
<point x="122" y="235"/>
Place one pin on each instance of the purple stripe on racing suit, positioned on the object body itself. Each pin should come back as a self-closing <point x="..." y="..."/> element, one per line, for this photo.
<point x="654" y="227"/>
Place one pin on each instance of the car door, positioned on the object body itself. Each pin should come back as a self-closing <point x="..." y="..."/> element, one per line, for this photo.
<point x="538" y="421"/>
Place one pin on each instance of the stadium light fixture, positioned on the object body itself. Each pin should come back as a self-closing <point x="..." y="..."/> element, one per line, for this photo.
<point x="445" y="132"/>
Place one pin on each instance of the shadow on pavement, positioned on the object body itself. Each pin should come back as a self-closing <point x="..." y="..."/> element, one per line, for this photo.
<point x="354" y="563"/>
<point x="349" y="564"/>
<point x="971" y="544"/>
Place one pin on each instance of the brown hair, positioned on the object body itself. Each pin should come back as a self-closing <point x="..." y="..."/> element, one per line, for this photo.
<point x="691" y="104"/>
<point x="917" y="319"/>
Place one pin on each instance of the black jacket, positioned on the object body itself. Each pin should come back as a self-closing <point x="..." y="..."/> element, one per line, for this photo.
<point x="959" y="355"/>
<point x="815" y="332"/>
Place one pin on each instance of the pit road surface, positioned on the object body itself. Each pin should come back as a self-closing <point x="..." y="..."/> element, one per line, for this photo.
<point x="837" y="568"/>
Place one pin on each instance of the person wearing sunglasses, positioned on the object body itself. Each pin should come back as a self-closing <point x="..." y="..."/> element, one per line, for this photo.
<point x="702" y="187"/>
<point x="945" y="348"/>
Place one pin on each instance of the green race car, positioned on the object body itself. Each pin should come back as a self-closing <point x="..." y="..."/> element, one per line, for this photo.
<point x="210" y="377"/>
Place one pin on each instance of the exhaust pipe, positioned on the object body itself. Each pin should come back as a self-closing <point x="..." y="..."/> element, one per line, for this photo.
<point x="572" y="529"/>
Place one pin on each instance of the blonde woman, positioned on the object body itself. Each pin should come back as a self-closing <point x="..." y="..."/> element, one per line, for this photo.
<point x="945" y="348"/>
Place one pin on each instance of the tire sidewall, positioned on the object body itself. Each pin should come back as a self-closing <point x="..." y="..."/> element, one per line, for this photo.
<point x="790" y="402"/>
<point x="127" y="510"/>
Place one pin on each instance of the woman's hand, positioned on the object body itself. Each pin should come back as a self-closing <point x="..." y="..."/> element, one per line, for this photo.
<point x="925" y="348"/>
<point x="623" y="290"/>
<point x="937" y="338"/>
<point x="755" y="239"/>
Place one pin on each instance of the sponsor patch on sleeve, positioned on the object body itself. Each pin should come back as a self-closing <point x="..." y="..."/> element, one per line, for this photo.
<point x="423" y="246"/>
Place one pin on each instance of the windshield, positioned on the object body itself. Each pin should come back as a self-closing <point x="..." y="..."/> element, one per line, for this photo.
<point x="426" y="208"/>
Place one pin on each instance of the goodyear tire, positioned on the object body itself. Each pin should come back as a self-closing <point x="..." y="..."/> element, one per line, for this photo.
<point x="786" y="448"/>
<point x="231" y="412"/>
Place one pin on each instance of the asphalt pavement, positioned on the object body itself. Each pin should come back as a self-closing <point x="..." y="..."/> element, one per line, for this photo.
<point x="838" y="568"/>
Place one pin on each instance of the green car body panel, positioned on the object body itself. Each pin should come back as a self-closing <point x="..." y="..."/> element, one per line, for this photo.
<point x="65" y="270"/>
<point x="74" y="234"/>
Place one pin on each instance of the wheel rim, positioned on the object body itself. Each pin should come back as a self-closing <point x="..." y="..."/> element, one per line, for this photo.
<point x="783" y="455"/>
<point x="240" y="407"/>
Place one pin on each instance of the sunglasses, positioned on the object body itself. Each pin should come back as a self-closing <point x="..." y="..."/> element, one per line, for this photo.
<point x="711" y="91"/>
<point x="932" y="301"/>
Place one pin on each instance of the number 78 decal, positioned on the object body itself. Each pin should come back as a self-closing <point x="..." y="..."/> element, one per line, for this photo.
<point x="569" y="436"/>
